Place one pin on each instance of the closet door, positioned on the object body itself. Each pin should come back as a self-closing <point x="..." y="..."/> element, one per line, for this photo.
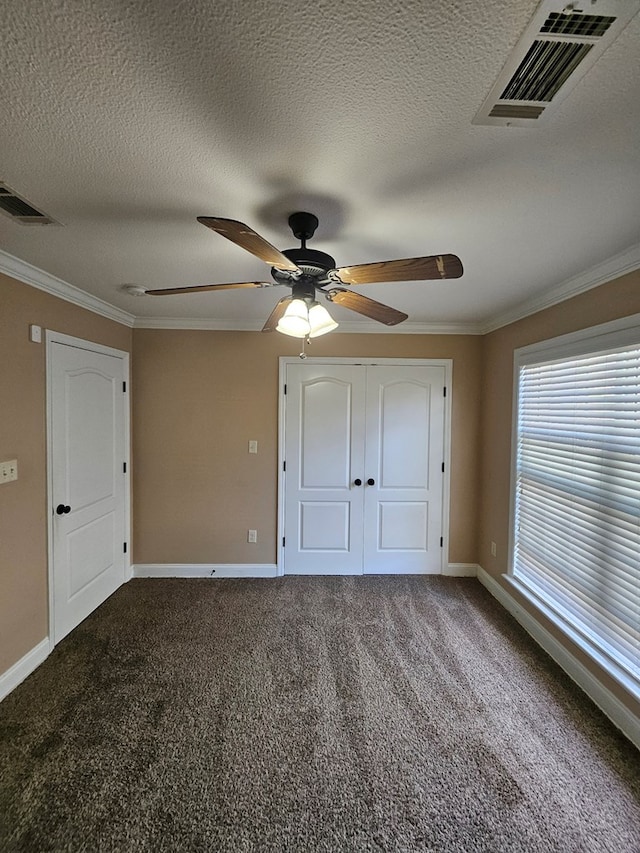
<point x="324" y="433"/>
<point x="403" y="469"/>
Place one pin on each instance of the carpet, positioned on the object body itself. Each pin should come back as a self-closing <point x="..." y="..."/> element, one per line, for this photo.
<point x="309" y="714"/>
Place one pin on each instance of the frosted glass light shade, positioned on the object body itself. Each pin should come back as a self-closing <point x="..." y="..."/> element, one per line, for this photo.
<point x="320" y="321"/>
<point x="295" y="320"/>
<point x="302" y="321"/>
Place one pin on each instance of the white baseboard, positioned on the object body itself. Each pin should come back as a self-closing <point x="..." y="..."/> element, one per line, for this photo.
<point x="24" y="667"/>
<point x="609" y="704"/>
<point x="204" y="570"/>
<point x="461" y="570"/>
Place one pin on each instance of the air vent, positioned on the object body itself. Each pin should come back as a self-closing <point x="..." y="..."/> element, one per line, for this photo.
<point x="515" y="111"/>
<point x="557" y="49"/>
<point x="544" y="69"/>
<point x="20" y="210"/>
<point x="576" y="24"/>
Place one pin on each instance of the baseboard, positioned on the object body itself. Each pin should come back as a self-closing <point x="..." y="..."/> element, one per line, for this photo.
<point x="609" y="704"/>
<point x="461" y="570"/>
<point x="204" y="570"/>
<point x="17" y="673"/>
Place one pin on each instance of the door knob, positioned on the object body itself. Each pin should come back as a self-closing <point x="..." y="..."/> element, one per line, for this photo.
<point x="371" y="482"/>
<point x="61" y="509"/>
<point x="357" y="482"/>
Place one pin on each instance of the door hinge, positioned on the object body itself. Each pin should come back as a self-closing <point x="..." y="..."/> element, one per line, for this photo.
<point x="441" y="541"/>
<point x="124" y="467"/>
<point x="444" y="391"/>
<point x="285" y="387"/>
<point x="283" y="541"/>
<point x="124" y="547"/>
<point x="124" y="387"/>
<point x="284" y="466"/>
<point x="443" y="467"/>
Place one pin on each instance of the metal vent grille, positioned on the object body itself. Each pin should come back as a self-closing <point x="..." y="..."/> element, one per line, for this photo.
<point x="555" y="52"/>
<point x="545" y="68"/>
<point x="575" y="24"/>
<point x="516" y="111"/>
<point x="20" y="210"/>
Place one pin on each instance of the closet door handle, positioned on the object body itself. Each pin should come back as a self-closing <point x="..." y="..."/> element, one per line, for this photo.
<point x="357" y="482"/>
<point x="371" y="482"/>
<point x="61" y="509"/>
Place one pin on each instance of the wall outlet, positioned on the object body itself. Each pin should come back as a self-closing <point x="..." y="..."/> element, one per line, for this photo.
<point x="253" y="446"/>
<point x="252" y="535"/>
<point x="8" y="471"/>
<point x="494" y="550"/>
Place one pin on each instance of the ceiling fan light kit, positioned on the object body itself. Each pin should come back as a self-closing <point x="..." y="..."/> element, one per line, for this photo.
<point x="301" y="320"/>
<point x="309" y="272"/>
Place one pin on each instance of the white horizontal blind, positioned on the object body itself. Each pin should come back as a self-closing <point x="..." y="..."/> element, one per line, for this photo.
<point x="577" y="497"/>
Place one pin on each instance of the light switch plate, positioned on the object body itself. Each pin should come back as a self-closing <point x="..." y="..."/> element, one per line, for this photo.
<point x="253" y="446"/>
<point x="8" y="471"/>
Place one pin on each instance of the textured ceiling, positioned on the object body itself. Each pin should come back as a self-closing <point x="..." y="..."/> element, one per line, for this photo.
<point x="126" y="120"/>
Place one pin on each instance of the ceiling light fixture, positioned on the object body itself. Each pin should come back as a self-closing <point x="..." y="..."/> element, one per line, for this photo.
<point x="304" y="317"/>
<point x="304" y="320"/>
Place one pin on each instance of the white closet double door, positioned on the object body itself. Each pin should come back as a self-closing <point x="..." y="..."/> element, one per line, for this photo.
<point x="364" y="460"/>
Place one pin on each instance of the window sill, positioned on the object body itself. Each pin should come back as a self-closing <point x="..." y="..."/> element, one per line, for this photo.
<point x="563" y="624"/>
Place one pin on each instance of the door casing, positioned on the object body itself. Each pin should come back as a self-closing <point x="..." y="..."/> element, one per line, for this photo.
<point x="446" y="363"/>
<point x="51" y="338"/>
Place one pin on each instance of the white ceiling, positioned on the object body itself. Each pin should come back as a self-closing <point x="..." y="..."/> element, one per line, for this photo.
<point x="126" y="120"/>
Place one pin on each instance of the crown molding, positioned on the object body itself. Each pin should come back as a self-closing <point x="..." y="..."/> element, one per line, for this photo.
<point x="614" y="267"/>
<point x="28" y="274"/>
<point x="617" y="265"/>
<point x="208" y="324"/>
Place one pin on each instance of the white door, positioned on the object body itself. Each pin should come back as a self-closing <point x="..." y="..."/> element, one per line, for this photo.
<point x="404" y="470"/>
<point x="87" y="460"/>
<point x="324" y="425"/>
<point x="364" y="453"/>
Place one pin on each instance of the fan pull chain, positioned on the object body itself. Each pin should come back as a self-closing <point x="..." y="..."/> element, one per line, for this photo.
<point x="306" y="340"/>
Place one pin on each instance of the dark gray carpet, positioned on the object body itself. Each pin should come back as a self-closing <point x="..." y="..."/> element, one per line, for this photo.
<point x="309" y="714"/>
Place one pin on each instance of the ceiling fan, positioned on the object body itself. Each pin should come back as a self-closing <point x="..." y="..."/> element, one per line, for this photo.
<point x="308" y="272"/>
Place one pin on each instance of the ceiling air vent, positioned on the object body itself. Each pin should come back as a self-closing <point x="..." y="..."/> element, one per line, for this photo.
<point x="14" y="206"/>
<point x="557" y="49"/>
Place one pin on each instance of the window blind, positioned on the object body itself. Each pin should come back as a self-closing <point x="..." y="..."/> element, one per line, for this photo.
<point x="577" y="497"/>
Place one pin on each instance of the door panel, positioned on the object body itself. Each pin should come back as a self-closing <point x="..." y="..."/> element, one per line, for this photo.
<point x="402" y="525"/>
<point x="88" y="434"/>
<point x="325" y="421"/>
<point x="323" y="509"/>
<point x="325" y="526"/>
<point x="403" y="414"/>
<point x="404" y="456"/>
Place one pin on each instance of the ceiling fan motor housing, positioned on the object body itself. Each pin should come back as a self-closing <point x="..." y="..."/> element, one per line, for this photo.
<point x="314" y="266"/>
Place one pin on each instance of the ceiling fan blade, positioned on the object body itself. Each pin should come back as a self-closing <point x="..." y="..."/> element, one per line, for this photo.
<point x="405" y="269"/>
<point x="246" y="238"/>
<point x="202" y="288"/>
<point x="367" y="307"/>
<point x="276" y="314"/>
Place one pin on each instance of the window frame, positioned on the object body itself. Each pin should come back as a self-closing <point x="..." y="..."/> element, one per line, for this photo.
<point x="607" y="336"/>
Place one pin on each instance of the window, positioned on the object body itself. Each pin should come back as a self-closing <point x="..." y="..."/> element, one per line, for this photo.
<point x="576" y="491"/>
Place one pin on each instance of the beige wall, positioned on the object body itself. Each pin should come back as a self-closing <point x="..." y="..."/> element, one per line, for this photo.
<point x="199" y="396"/>
<point x="23" y="522"/>
<point x="619" y="298"/>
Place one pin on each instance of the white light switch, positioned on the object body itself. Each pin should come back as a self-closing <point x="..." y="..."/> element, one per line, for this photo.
<point x="8" y="471"/>
<point x="252" y="535"/>
<point x="253" y="446"/>
<point x="35" y="334"/>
